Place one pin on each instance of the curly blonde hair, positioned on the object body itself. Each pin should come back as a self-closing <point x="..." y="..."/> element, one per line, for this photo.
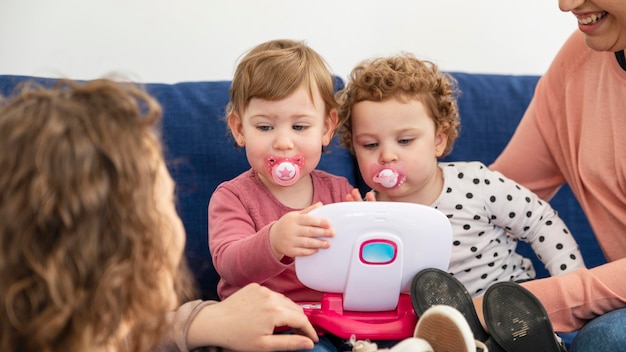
<point x="82" y="244"/>
<point x="401" y="77"/>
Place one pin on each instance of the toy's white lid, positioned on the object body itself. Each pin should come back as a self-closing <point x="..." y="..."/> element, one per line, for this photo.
<point x="377" y="249"/>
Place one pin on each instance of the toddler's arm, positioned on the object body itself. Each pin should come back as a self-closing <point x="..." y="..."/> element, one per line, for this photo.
<point x="533" y="220"/>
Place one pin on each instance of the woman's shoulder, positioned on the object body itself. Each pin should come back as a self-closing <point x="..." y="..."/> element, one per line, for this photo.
<point x="571" y="57"/>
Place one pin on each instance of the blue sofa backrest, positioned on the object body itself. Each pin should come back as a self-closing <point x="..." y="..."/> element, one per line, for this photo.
<point x="201" y="153"/>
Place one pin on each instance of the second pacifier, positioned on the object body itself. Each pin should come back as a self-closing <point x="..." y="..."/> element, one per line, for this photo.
<point x="388" y="177"/>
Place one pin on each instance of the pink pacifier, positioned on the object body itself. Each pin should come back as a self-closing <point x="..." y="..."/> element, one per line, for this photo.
<point x="285" y="171"/>
<point x="387" y="176"/>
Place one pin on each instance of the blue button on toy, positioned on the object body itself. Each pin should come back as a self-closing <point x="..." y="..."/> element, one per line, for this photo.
<point x="378" y="252"/>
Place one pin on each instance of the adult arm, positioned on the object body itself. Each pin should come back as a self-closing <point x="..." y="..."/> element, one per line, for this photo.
<point x="573" y="299"/>
<point x="245" y="321"/>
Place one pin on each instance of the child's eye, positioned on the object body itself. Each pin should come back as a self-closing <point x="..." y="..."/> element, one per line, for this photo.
<point x="299" y="127"/>
<point x="405" y="141"/>
<point x="264" y="127"/>
<point x="370" y="145"/>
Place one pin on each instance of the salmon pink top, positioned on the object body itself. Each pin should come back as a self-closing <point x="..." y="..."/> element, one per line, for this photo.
<point x="574" y="131"/>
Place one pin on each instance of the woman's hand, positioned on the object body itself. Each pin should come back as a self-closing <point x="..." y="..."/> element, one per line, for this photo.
<point x="246" y="321"/>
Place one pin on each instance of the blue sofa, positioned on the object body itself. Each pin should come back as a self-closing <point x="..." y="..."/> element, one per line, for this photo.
<point x="201" y="152"/>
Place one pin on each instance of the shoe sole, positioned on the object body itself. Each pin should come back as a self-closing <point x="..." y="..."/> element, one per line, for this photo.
<point x="432" y="287"/>
<point x="446" y="329"/>
<point x="410" y="344"/>
<point x="516" y="320"/>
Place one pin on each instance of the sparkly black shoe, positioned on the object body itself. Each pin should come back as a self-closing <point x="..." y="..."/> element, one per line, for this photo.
<point x="517" y="321"/>
<point x="432" y="287"/>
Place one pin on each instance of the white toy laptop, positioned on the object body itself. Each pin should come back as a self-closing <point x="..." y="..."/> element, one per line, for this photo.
<point x="367" y="271"/>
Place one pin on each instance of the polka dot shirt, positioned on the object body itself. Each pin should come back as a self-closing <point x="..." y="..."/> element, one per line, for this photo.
<point x="489" y="213"/>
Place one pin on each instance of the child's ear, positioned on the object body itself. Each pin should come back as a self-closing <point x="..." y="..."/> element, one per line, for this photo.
<point x="330" y="125"/>
<point x="236" y="128"/>
<point x="441" y="141"/>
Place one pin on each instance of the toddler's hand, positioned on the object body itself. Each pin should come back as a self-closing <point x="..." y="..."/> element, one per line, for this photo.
<point x="299" y="234"/>
<point x="355" y="196"/>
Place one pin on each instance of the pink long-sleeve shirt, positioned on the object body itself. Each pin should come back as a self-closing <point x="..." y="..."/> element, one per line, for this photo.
<point x="574" y="131"/>
<point x="241" y="213"/>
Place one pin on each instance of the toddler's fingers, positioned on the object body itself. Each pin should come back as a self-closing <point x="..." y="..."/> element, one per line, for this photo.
<point x="311" y="207"/>
<point x="354" y="196"/>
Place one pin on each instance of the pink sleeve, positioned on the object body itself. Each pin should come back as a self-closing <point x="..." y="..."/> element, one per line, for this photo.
<point x="573" y="299"/>
<point x="240" y="253"/>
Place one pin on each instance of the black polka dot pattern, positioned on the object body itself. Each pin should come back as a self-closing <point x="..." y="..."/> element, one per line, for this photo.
<point x="489" y="214"/>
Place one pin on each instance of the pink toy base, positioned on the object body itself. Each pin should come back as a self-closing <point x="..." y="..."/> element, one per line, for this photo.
<point x="329" y="316"/>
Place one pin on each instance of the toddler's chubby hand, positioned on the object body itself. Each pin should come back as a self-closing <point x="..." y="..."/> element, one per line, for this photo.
<point x="298" y="233"/>
<point x="355" y="196"/>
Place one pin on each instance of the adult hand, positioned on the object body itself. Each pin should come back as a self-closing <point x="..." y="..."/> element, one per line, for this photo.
<point x="245" y="321"/>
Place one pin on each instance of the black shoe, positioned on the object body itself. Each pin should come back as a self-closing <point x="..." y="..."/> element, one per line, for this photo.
<point x="434" y="287"/>
<point x="517" y="321"/>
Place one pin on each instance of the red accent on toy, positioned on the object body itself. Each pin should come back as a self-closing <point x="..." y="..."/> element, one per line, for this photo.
<point x="328" y="316"/>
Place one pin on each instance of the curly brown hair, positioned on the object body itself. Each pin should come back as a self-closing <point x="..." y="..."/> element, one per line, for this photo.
<point x="401" y="77"/>
<point x="82" y="244"/>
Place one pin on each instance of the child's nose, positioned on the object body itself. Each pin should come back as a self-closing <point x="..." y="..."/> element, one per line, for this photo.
<point x="387" y="156"/>
<point x="283" y="141"/>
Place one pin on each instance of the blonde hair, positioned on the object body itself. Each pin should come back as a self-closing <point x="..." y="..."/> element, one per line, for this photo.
<point x="274" y="70"/>
<point x="82" y="244"/>
<point x="401" y="77"/>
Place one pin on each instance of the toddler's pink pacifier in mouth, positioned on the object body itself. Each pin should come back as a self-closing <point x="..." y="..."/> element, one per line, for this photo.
<point x="285" y="171"/>
<point x="388" y="176"/>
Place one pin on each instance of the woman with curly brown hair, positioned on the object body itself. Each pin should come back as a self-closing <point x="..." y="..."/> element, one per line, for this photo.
<point x="91" y="245"/>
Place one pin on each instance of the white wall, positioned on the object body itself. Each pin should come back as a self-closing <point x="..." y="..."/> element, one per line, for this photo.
<point x="190" y="40"/>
